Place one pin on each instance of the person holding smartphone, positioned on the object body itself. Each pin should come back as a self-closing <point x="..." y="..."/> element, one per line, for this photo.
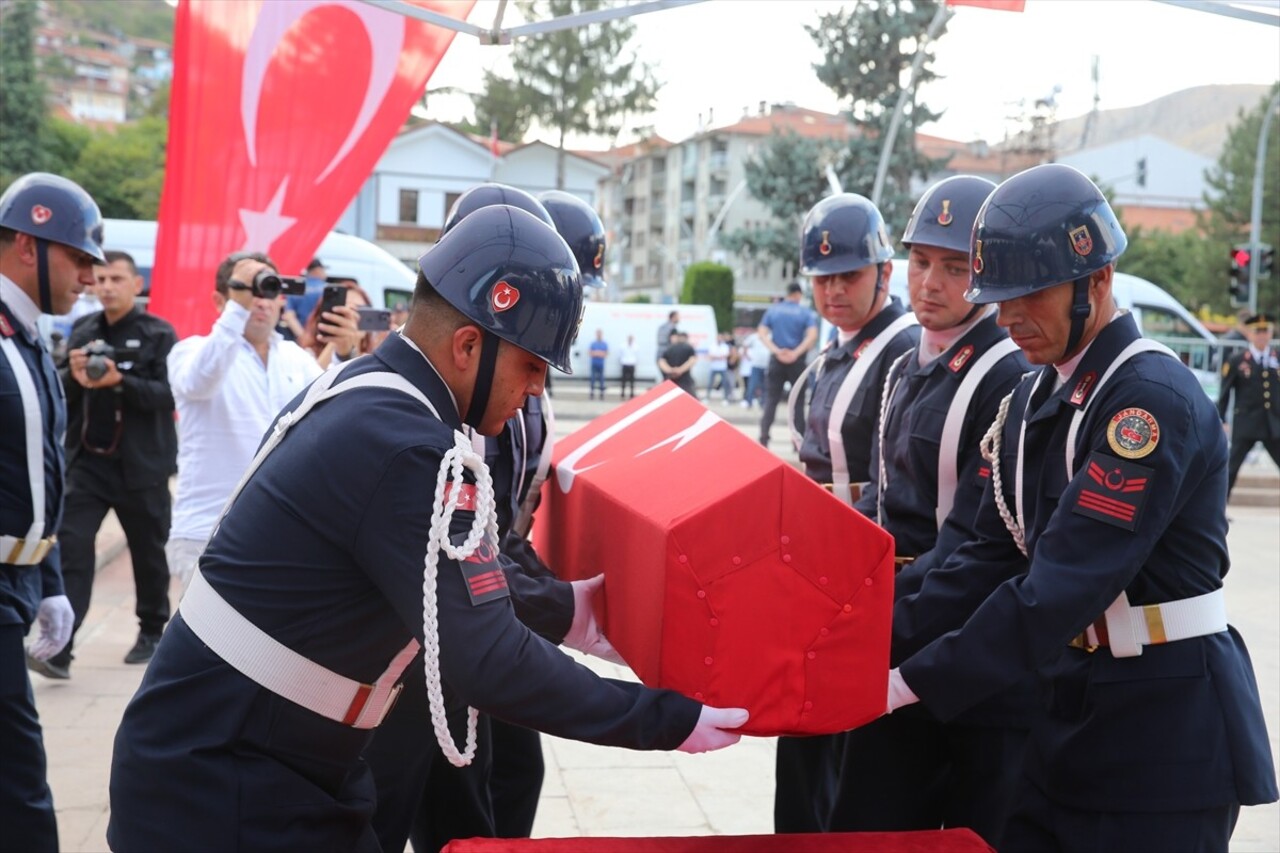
<point x="332" y="333"/>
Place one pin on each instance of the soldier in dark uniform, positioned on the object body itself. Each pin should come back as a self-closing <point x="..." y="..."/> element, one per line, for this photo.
<point x="50" y="238"/>
<point x="363" y="531"/>
<point x="1254" y="376"/>
<point x="421" y="796"/>
<point x="1099" y="556"/>
<point x="908" y="771"/>
<point x="847" y="252"/>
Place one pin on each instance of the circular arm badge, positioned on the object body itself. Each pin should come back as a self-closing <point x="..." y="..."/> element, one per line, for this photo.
<point x="1133" y="433"/>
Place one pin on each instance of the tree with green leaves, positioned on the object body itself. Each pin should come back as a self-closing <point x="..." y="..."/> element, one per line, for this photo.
<point x="22" y="105"/>
<point x="707" y="283"/>
<point x="787" y="176"/>
<point x="583" y="79"/>
<point x="1230" y="199"/>
<point x="867" y="55"/>
<point x="124" y="171"/>
<point x="502" y="103"/>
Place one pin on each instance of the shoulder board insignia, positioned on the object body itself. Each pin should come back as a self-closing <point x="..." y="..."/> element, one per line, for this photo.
<point x="5" y="328"/>
<point x="1114" y="491"/>
<point x="484" y="577"/>
<point x="1133" y="433"/>
<point x="862" y="346"/>
<point x="466" y="496"/>
<point x="961" y="358"/>
<point x="1081" y="392"/>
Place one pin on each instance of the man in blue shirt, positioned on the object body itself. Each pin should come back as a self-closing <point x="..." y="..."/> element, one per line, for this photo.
<point x="599" y="351"/>
<point x="788" y="330"/>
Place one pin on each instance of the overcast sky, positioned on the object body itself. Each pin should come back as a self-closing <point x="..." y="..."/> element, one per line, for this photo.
<point x="720" y="56"/>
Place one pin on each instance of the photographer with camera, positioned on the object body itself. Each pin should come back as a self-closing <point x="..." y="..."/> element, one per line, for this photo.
<point x="228" y="386"/>
<point x="121" y="451"/>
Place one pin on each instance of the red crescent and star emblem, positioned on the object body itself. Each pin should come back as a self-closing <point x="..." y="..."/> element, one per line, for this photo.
<point x="1133" y="433"/>
<point x="1114" y="492"/>
<point x="503" y="297"/>
<point x="1081" y="242"/>
<point x="41" y="214"/>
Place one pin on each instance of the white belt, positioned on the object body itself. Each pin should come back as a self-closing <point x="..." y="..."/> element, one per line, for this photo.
<point x="264" y="660"/>
<point x="20" y="551"/>
<point x="1128" y="629"/>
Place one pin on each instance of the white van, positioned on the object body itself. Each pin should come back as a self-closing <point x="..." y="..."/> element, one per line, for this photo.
<point x="385" y="279"/>
<point x="640" y="320"/>
<point x="1159" y="316"/>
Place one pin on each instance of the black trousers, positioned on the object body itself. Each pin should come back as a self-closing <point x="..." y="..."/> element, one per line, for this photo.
<point x="910" y="772"/>
<point x="776" y="377"/>
<point x="806" y="771"/>
<point x="1240" y="447"/>
<point x="1039" y="824"/>
<point x="94" y="486"/>
<point x="26" y="804"/>
<point x="515" y="782"/>
<point x="627" y="387"/>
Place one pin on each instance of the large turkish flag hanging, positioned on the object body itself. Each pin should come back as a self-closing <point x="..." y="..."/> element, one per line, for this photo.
<point x="729" y="575"/>
<point x="278" y="113"/>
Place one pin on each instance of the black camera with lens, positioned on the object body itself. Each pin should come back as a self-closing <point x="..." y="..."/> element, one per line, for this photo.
<point x="99" y="351"/>
<point x="268" y="284"/>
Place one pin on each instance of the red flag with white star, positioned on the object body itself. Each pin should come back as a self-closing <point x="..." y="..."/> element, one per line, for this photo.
<point x="278" y="113"/>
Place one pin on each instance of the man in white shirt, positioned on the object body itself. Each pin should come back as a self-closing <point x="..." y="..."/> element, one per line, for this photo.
<point x="228" y="386"/>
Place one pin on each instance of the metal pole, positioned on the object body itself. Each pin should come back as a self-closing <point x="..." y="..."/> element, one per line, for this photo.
<point x="1255" y="216"/>
<point x="724" y="210"/>
<point x="939" y="18"/>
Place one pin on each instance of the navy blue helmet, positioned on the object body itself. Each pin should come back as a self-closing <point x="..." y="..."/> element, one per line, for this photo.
<point x="843" y="233"/>
<point x="580" y="226"/>
<point x="50" y="207"/>
<point x="944" y="215"/>
<point x="1042" y="227"/>
<point x="513" y="275"/>
<point x="486" y="195"/>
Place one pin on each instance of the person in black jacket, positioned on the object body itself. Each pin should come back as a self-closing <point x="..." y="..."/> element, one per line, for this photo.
<point x="1252" y="375"/>
<point x="121" y="450"/>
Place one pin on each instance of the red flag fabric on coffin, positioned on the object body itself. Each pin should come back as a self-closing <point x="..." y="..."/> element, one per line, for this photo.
<point x="729" y="576"/>
<point x="923" y="841"/>
<point x="279" y="111"/>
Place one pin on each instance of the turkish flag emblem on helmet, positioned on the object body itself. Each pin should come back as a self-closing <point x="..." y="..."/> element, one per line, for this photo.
<point x="504" y="297"/>
<point x="41" y="214"/>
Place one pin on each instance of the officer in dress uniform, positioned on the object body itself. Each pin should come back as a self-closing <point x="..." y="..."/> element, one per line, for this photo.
<point x="1099" y="556"/>
<point x="421" y="796"/>
<point x="363" y="532"/>
<point x="908" y="771"/>
<point x="1254" y="376"/>
<point x="846" y="250"/>
<point x="50" y="238"/>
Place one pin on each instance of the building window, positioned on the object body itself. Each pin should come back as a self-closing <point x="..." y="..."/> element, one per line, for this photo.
<point x="450" y="199"/>
<point x="409" y="206"/>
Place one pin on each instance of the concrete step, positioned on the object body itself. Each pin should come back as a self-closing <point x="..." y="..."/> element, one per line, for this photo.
<point x="1253" y="496"/>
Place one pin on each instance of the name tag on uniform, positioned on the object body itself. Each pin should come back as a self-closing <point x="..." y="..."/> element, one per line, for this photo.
<point x="481" y="572"/>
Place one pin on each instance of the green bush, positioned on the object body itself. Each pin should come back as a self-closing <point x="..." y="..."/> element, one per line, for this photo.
<point x="707" y="283"/>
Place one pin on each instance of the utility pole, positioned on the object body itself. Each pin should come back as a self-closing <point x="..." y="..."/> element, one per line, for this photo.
<point x="1255" y="217"/>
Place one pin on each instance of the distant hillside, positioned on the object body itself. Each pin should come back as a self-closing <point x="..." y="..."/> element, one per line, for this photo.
<point x="1195" y="119"/>
<point x="152" y="19"/>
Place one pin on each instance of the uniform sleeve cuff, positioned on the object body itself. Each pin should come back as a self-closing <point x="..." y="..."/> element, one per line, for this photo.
<point x="899" y="693"/>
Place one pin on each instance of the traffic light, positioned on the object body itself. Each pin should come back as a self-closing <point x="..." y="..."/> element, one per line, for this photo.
<point x="1239" y="288"/>
<point x="1141" y="176"/>
<point x="1266" y="258"/>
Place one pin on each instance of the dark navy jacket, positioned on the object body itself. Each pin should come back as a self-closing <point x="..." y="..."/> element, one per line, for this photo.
<point x="22" y="587"/>
<point x="864" y="411"/>
<point x="1178" y="727"/>
<point x="324" y="551"/>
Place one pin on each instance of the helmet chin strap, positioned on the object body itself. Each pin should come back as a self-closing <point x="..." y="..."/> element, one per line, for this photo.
<point x="42" y="275"/>
<point x="880" y="282"/>
<point x="484" y="380"/>
<point x="1079" y="313"/>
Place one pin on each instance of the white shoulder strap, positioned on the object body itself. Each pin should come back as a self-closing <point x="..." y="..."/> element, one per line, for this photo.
<point x="956" y="416"/>
<point x="793" y="400"/>
<point x="1140" y="345"/>
<point x="844" y="399"/>
<point x="33" y="433"/>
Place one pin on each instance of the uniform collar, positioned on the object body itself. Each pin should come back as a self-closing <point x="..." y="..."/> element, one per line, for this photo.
<point x="404" y="357"/>
<point x="1086" y="368"/>
<point x="890" y="311"/>
<point x="24" y="310"/>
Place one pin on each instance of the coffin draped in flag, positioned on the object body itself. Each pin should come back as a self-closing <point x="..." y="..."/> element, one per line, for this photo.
<point x="729" y="576"/>
<point x="279" y="112"/>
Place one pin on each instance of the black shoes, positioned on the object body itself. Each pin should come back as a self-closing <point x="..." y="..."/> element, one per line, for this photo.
<point x="143" y="649"/>
<point x="49" y="669"/>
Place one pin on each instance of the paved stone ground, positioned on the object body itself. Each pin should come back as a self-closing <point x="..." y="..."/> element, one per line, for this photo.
<point x="589" y="791"/>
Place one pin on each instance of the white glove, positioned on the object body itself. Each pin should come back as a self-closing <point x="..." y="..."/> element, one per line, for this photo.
<point x="899" y="693"/>
<point x="55" y="617"/>
<point x="584" y="634"/>
<point x="711" y="732"/>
